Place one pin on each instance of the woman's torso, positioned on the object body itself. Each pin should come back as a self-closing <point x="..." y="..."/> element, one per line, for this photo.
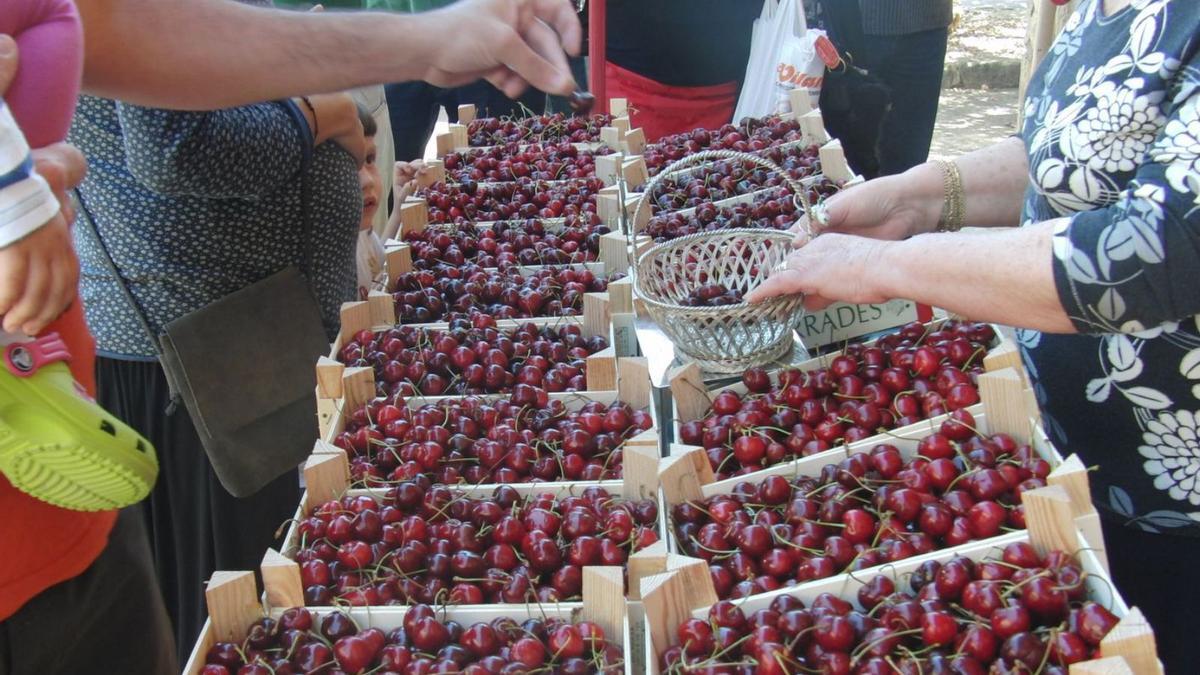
<point x="1126" y="402"/>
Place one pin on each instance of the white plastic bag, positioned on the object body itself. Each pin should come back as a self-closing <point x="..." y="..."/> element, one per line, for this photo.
<point x="779" y="21"/>
<point x="799" y="67"/>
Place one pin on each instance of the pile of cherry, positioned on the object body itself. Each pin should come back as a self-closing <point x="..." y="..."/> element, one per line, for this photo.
<point x="752" y="136"/>
<point x="1020" y="613"/>
<point x="301" y="642"/>
<point x="506" y="243"/>
<point x="549" y="161"/>
<point x="437" y="545"/>
<point x="713" y="295"/>
<point x="536" y="129"/>
<point x="473" y="358"/>
<point x="903" y="378"/>
<point x="528" y="437"/>
<point x="775" y="211"/>
<point x="472" y="201"/>
<point x="869" y="509"/>
<point x="422" y="297"/>
<point x="723" y="179"/>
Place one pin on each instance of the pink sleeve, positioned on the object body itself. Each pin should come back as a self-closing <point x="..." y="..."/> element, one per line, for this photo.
<point x="50" y="41"/>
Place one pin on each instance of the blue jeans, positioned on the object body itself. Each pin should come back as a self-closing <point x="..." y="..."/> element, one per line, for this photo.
<point x="413" y="109"/>
<point x="911" y="65"/>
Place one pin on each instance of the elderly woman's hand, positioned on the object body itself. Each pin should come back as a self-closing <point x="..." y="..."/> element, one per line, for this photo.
<point x="831" y="268"/>
<point x="893" y="207"/>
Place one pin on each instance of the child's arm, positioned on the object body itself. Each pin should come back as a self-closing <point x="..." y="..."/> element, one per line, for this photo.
<point x="404" y="184"/>
<point x="38" y="272"/>
<point x="50" y="40"/>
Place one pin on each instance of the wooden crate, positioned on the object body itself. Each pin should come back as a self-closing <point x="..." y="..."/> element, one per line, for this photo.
<point x="686" y="474"/>
<point x="327" y="477"/>
<point x="677" y="595"/>
<point x="692" y="400"/>
<point x="630" y="383"/>
<point x="233" y="606"/>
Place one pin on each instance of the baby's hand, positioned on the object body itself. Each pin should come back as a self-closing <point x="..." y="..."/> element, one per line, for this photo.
<point x="404" y="178"/>
<point x="38" y="277"/>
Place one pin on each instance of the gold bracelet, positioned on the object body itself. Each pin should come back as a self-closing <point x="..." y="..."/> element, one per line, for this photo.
<point x="954" y="210"/>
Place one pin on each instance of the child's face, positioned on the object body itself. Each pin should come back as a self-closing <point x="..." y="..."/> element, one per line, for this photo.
<point x="368" y="179"/>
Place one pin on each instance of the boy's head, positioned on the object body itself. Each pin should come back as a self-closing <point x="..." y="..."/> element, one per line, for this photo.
<point x="368" y="174"/>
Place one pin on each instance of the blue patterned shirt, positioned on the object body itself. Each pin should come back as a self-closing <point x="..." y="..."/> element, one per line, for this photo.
<point x="196" y="205"/>
<point x="1112" y="128"/>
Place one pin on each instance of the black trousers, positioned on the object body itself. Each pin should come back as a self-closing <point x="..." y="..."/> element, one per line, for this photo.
<point x="1154" y="573"/>
<point x="911" y="65"/>
<point x="110" y="619"/>
<point x="413" y="109"/>
<point x="195" y="526"/>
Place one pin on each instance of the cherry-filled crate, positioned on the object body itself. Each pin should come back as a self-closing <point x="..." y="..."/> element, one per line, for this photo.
<point x="862" y="394"/>
<point x="1036" y="601"/>
<point x="552" y="161"/>
<point x="526" y="435"/>
<point x="245" y="637"/>
<point x="420" y="542"/>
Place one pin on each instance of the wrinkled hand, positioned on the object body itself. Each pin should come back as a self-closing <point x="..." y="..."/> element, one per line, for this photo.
<point x="831" y="268"/>
<point x="884" y="208"/>
<point x="510" y="43"/>
<point x="39" y="273"/>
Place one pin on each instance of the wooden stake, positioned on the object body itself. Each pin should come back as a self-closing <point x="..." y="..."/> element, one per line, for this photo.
<point x="1072" y="476"/>
<point x="1003" y="394"/>
<point x="326" y="477"/>
<point x="1111" y="665"/>
<point x="689" y="393"/>
<point x="620" y="295"/>
<point x="646" y="562"/>
<point x="602" y="370"/>
<point x="635" y="141"/>
<point x="435" y="173"/>
<point x="414" y="216"/>
<point x="329" y="378"/>
<point x="604" y="598"/>
<point x="358" y="388"/>
<point x="608" y="204"/>
<point x="622" y="123"/>
<point x="617" y="107"/>
<point x="682" y="475"/>
<point x="633" y="381"/>
<point x="669" y="599"/>
<point x="1004" y="355"/>
<point x="444" y="143"/>
<point x="397" y="261"/>
<point x="281" y="581"/>
<point x="1133" y="640"/>
<point x="640" y="470"/>
<point x="466" y="113"/>
<point x="596" y="315"/>
<point x="801" y="102"/>
<point x="1049" y="519"/>
<point x="610" y="136"/>
<point x="813" y="127"/>
<point x="608" y="166"/>
<point x="382" y="308"/>
<point x="833" y="162"/>
<point x="635" y="172"/>
<point x="232" y="604"/>
<point x="355" y="316"/>
<point x="614" y="252"/>
<point x="458" y="134"/>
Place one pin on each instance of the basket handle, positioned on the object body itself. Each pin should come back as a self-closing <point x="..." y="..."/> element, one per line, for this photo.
<point x="798" y="190"/>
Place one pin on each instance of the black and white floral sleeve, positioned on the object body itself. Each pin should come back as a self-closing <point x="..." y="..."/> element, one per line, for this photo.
<point x="1133" y="265"/>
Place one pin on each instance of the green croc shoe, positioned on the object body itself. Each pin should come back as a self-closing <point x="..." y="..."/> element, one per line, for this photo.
<point x="57" y="445"/>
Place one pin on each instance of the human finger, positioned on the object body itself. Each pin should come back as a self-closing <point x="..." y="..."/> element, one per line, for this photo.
<point x="12" y="280"/>
<point x="782" y="282"/>
<point x="561" y="16"/>
<point x="62" y="284"/>
<point x="8" y="62"/>
<point x="33" y="297"/>
<point x="62" y="165"/>
<point x="523" y="59"/>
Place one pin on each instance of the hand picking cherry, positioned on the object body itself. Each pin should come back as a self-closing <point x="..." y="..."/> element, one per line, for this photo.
<point x="434" y="544"/>
<point x="424" y="644"/>
<point x="581" y="102"/>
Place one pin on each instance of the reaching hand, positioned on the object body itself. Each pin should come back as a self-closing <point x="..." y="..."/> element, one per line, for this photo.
<point x="884" y="208"/>
<point x="510" y="43"/>
<point x="404" y="179"/>
<point x="830" y="268"/>
<point x="334" y="117"/>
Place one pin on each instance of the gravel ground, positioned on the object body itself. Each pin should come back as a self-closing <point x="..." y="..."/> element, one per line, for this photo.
<point x="970" y="119"/>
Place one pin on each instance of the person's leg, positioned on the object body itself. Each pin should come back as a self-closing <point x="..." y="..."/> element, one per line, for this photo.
<point x="912" y="66"/>
<point x="110" y="619"/>
<point x="1147" y="569"/>
<point x="412" y="107"/>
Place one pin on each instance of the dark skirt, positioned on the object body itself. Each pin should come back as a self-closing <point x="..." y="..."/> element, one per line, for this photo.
<point x="195" y="526"/>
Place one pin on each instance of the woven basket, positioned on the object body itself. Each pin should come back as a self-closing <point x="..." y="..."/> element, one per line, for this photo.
<point x="729" y="338"/>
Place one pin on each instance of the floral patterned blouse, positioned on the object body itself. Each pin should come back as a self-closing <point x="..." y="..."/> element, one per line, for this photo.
<point x="1112" y="128"/>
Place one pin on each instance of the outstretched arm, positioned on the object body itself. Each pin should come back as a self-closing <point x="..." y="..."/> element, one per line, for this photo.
<point x="208" y="54"/>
